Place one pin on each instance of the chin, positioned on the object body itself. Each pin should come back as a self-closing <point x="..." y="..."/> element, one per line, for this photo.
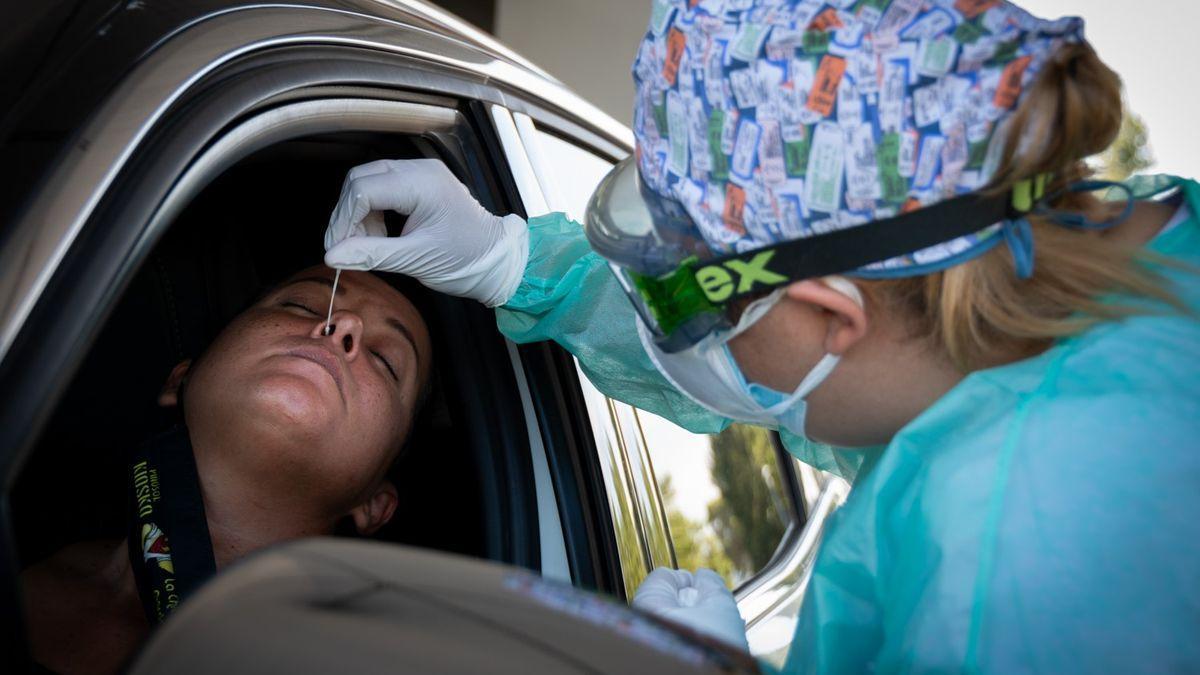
<point x="293" y="406"/>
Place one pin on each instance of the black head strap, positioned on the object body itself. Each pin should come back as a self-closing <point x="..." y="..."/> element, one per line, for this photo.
<point x="854" y="247"/>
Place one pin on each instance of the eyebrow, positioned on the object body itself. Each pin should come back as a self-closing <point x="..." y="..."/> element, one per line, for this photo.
<point x="403" y="330"/>
<point x="391" y="321"/>
<point x="319" y="280"/>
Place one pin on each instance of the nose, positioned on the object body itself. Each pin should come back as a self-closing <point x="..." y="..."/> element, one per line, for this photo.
<point x="345" y="333"/>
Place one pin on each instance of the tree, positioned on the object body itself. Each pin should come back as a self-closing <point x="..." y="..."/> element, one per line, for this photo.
<point x="695" y="545"/>
<point x="748" y="516"/>
<point x="1130" y="152"/>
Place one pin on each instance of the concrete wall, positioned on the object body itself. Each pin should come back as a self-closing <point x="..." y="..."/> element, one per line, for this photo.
<point x="588" y="44"/>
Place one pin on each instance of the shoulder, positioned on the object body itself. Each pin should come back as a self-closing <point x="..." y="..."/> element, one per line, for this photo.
<point x="74" y="609"/>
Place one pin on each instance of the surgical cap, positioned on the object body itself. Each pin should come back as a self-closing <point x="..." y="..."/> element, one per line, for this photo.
<point x="772" y="121"/>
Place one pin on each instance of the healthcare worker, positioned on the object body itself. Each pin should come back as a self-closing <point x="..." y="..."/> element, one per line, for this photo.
<point x="868" y="225"/>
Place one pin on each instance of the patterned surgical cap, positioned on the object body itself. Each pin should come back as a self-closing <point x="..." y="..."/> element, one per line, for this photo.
<point x="771" y="121"/>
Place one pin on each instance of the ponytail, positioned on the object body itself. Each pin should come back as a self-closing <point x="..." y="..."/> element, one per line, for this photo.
<point x="981" y="313"/>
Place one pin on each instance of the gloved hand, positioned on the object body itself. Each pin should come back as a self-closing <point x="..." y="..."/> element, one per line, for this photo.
<point x="450" y="243"/>
<point x="698" y="601"/>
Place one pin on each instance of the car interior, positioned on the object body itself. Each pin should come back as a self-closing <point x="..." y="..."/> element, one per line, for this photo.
<point x="464" y="478"/>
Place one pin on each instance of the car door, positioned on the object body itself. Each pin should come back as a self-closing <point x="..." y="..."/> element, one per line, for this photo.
<point x="736" y="501"/>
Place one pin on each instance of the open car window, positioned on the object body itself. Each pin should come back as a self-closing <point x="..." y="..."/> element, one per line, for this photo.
<point x="247" y="214"/>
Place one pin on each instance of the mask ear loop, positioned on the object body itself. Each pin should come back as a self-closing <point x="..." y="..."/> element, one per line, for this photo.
<point x="820" y="372"/>
<point x="1078" y="220"/>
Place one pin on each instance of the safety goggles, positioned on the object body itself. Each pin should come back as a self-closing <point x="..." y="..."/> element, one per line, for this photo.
<point x="683" y="290"/>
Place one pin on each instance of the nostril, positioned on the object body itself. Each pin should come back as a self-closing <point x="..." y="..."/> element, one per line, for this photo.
<point x="347" y="343"/>
<point x="329" y="329"/>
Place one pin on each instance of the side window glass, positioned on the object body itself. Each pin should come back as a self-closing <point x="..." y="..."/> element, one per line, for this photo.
<point x="727" y="506"/>
<point x="574" y="172"/>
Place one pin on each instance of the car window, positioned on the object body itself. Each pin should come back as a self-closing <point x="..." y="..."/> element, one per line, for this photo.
<point x="726" y="504"/>
<point x="573" y="173"/>
<point x="728" y="508"/>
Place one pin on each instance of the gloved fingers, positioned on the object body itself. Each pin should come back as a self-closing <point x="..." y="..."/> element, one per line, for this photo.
<point x="668" y="577"/>
<point x="399" y="191"/>
<point x="403" y="255"/>
<point x="346" y="219"/>
<point x="660" y="590"/>
<point x="708" y="581"/>
<point x="373" y="225"/>
<point x="375" y="187"/>
<point x="369" y="169"/>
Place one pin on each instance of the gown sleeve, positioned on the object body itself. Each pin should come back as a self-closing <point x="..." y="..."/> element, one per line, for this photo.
<point x="569" y="295"/>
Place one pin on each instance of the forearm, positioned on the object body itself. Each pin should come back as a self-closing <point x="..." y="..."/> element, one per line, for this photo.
<point x="569" y="295"/>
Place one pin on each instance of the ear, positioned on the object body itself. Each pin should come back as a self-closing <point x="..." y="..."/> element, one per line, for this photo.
<point x="169" y="396"/>
<point x="847" y="319"/>
<point x="377" y="510"/>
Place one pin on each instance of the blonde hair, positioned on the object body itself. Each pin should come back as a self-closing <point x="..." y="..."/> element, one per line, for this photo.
<point x="980" y="312"/>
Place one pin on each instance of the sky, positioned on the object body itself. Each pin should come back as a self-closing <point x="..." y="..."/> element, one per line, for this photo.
<point x="1153" y="46"/>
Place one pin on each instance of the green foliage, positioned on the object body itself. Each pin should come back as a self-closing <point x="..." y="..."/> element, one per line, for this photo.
<point x="695" y="546"/>
<point x="747" y="522"/>
<point x="1129" y="154"/>
<point x="749" y="516"/>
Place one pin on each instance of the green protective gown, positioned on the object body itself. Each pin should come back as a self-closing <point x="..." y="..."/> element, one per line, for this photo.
<point x="1041" y="516"/>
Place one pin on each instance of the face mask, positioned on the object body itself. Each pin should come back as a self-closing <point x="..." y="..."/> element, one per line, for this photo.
<point x="709" y="375"/>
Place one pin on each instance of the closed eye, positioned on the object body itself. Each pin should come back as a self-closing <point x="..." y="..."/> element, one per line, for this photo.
<point x="290" y="303"/>
<point x="385" y="363"/>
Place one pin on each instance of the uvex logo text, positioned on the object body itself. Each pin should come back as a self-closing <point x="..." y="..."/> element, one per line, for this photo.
<point x="719" y="281"/>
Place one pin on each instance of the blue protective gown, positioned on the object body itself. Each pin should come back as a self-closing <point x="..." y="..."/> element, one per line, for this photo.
<point x="1041" y="516"/>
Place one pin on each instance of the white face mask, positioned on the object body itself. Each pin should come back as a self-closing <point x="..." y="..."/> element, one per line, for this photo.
<point x="708" y="374"/>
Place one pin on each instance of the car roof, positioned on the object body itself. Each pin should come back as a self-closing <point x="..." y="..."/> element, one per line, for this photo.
<point x="63" y="57"/>
<point x="44" y="36"/>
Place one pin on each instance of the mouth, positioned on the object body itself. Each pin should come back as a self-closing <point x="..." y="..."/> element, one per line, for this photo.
<point x="322" y="358"/>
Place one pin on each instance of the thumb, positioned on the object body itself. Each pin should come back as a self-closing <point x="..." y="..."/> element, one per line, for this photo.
<point x="392" y="254"/>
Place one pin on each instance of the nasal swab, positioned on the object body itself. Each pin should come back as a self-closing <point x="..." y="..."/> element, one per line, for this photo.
<point x="329" y="316"/>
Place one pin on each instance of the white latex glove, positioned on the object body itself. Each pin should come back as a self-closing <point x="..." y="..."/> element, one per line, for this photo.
<point x="698" y="601"/>
<point x="450" y="243"/>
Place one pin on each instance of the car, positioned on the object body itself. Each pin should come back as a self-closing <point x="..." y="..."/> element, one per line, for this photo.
<point x="161" y="158"/>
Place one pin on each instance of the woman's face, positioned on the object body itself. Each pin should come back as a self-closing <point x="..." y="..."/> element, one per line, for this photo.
<point x="324" y="413"/>
<point x="781" y="349"/>
<point x="886" y="376"/>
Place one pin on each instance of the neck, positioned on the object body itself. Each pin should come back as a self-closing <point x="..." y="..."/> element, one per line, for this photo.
<point x="896" y="378"/>
<point x="245" y="514"/>
<point x="117" y="575"/>
<point x="1146" y="221"/>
